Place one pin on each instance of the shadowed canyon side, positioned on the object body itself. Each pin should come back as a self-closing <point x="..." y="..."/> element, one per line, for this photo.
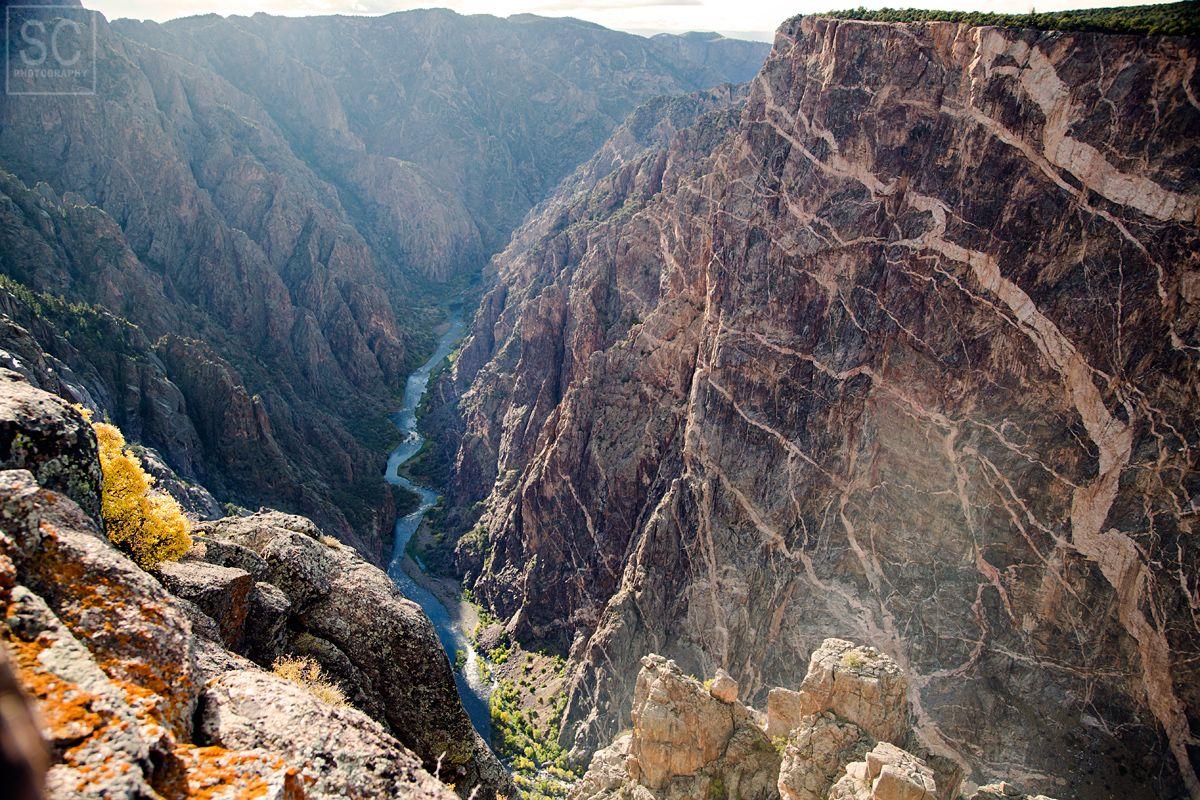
<point x="904" y="351"/>
<point x="264" y="230"/>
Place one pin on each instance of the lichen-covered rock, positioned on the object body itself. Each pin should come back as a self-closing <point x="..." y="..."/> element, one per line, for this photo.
<point x="216" y="773"/>
<point x="223" y="593"/>
<point x="225" y="553"/>
<point x="116" y="664"/>
<point x="338" y="667"/>
<point x="102" y="746"/>
<point x="23" y="754"/>
<point x="266" y="623"/>
<point x="297" y="562"/>
<point x="131" y="624"/>
<point x="42" y="433"/>
<point x="339" y="752"/>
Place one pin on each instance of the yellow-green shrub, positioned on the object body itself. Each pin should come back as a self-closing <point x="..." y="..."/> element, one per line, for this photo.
<point x="149" y="525"/>
<point x="305" y="672"/>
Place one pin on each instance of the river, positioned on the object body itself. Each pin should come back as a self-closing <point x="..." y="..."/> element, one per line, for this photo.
<point x="473" y="687"/>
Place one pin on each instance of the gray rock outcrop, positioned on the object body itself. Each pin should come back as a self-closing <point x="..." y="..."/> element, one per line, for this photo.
<point x="131" y="674"/>
<point x="350" y="617"/>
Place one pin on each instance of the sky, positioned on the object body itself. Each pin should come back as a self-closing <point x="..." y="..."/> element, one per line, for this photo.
<point x="744" y="18"/>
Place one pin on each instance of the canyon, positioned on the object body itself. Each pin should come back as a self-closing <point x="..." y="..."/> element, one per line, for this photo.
<point x="856" y="372"/>
<point x="899" y="348"/>
<point x="276" y="235"/>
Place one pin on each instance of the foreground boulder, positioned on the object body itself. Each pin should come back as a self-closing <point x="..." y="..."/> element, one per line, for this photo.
<point x="340" y="751"/>
<point x="23" y="757"/>
<point x="349" y="616"/>
<point x="220" y="592"/>
<point x="47" y="436"/>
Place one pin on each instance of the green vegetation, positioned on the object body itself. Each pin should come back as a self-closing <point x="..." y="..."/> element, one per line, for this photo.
<point x="426" y="404"/>
<point x="538" y="762"/>
<point x="438" y="539"/>
<point x="486" y="618"/>
<point x="83" y="324"/>
<point x="234" y="510"/>
<point x="501" y="652"/>
<point x="853" y="659"/>
<point x="431" y="464"/>
<point x="1168" y="19"/>
<point x="407" y="501"/>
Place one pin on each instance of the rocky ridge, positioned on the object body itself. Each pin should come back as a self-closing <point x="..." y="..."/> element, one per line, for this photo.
<point x="159" y="684"/>
<point x="844" y="735"/>
<point x="489" y="112"/>
<point x="904" y="352"/>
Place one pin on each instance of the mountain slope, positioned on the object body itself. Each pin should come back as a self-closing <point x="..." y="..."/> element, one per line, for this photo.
<point x="494" y="111"/>
<point x="905" y="354"/>
<point x="280" y="228"/>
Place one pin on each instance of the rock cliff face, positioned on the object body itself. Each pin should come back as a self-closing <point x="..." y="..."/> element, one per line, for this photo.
<point x="144" y="684"/>
<point x="904" y="353"/>
<point x="698" y="741"/>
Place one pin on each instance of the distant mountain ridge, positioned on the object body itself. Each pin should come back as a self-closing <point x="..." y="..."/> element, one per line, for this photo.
<point x="493" y="110"/>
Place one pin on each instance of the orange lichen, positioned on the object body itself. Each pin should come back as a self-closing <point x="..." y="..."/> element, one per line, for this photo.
<point x="66" y="710"/>
<point x="215" y="773"/>
<point x="93" y="606"/>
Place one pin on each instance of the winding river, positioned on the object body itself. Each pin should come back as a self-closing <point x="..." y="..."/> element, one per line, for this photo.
<point x="473" y="687"/>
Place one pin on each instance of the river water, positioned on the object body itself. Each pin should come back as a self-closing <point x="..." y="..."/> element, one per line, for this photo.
<point x="473" y="688"/>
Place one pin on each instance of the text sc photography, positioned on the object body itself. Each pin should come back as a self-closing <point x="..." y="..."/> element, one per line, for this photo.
<point x="50" y="50"/>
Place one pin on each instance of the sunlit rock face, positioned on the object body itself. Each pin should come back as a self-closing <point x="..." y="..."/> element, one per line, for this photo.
<point x="904" y="351"/>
